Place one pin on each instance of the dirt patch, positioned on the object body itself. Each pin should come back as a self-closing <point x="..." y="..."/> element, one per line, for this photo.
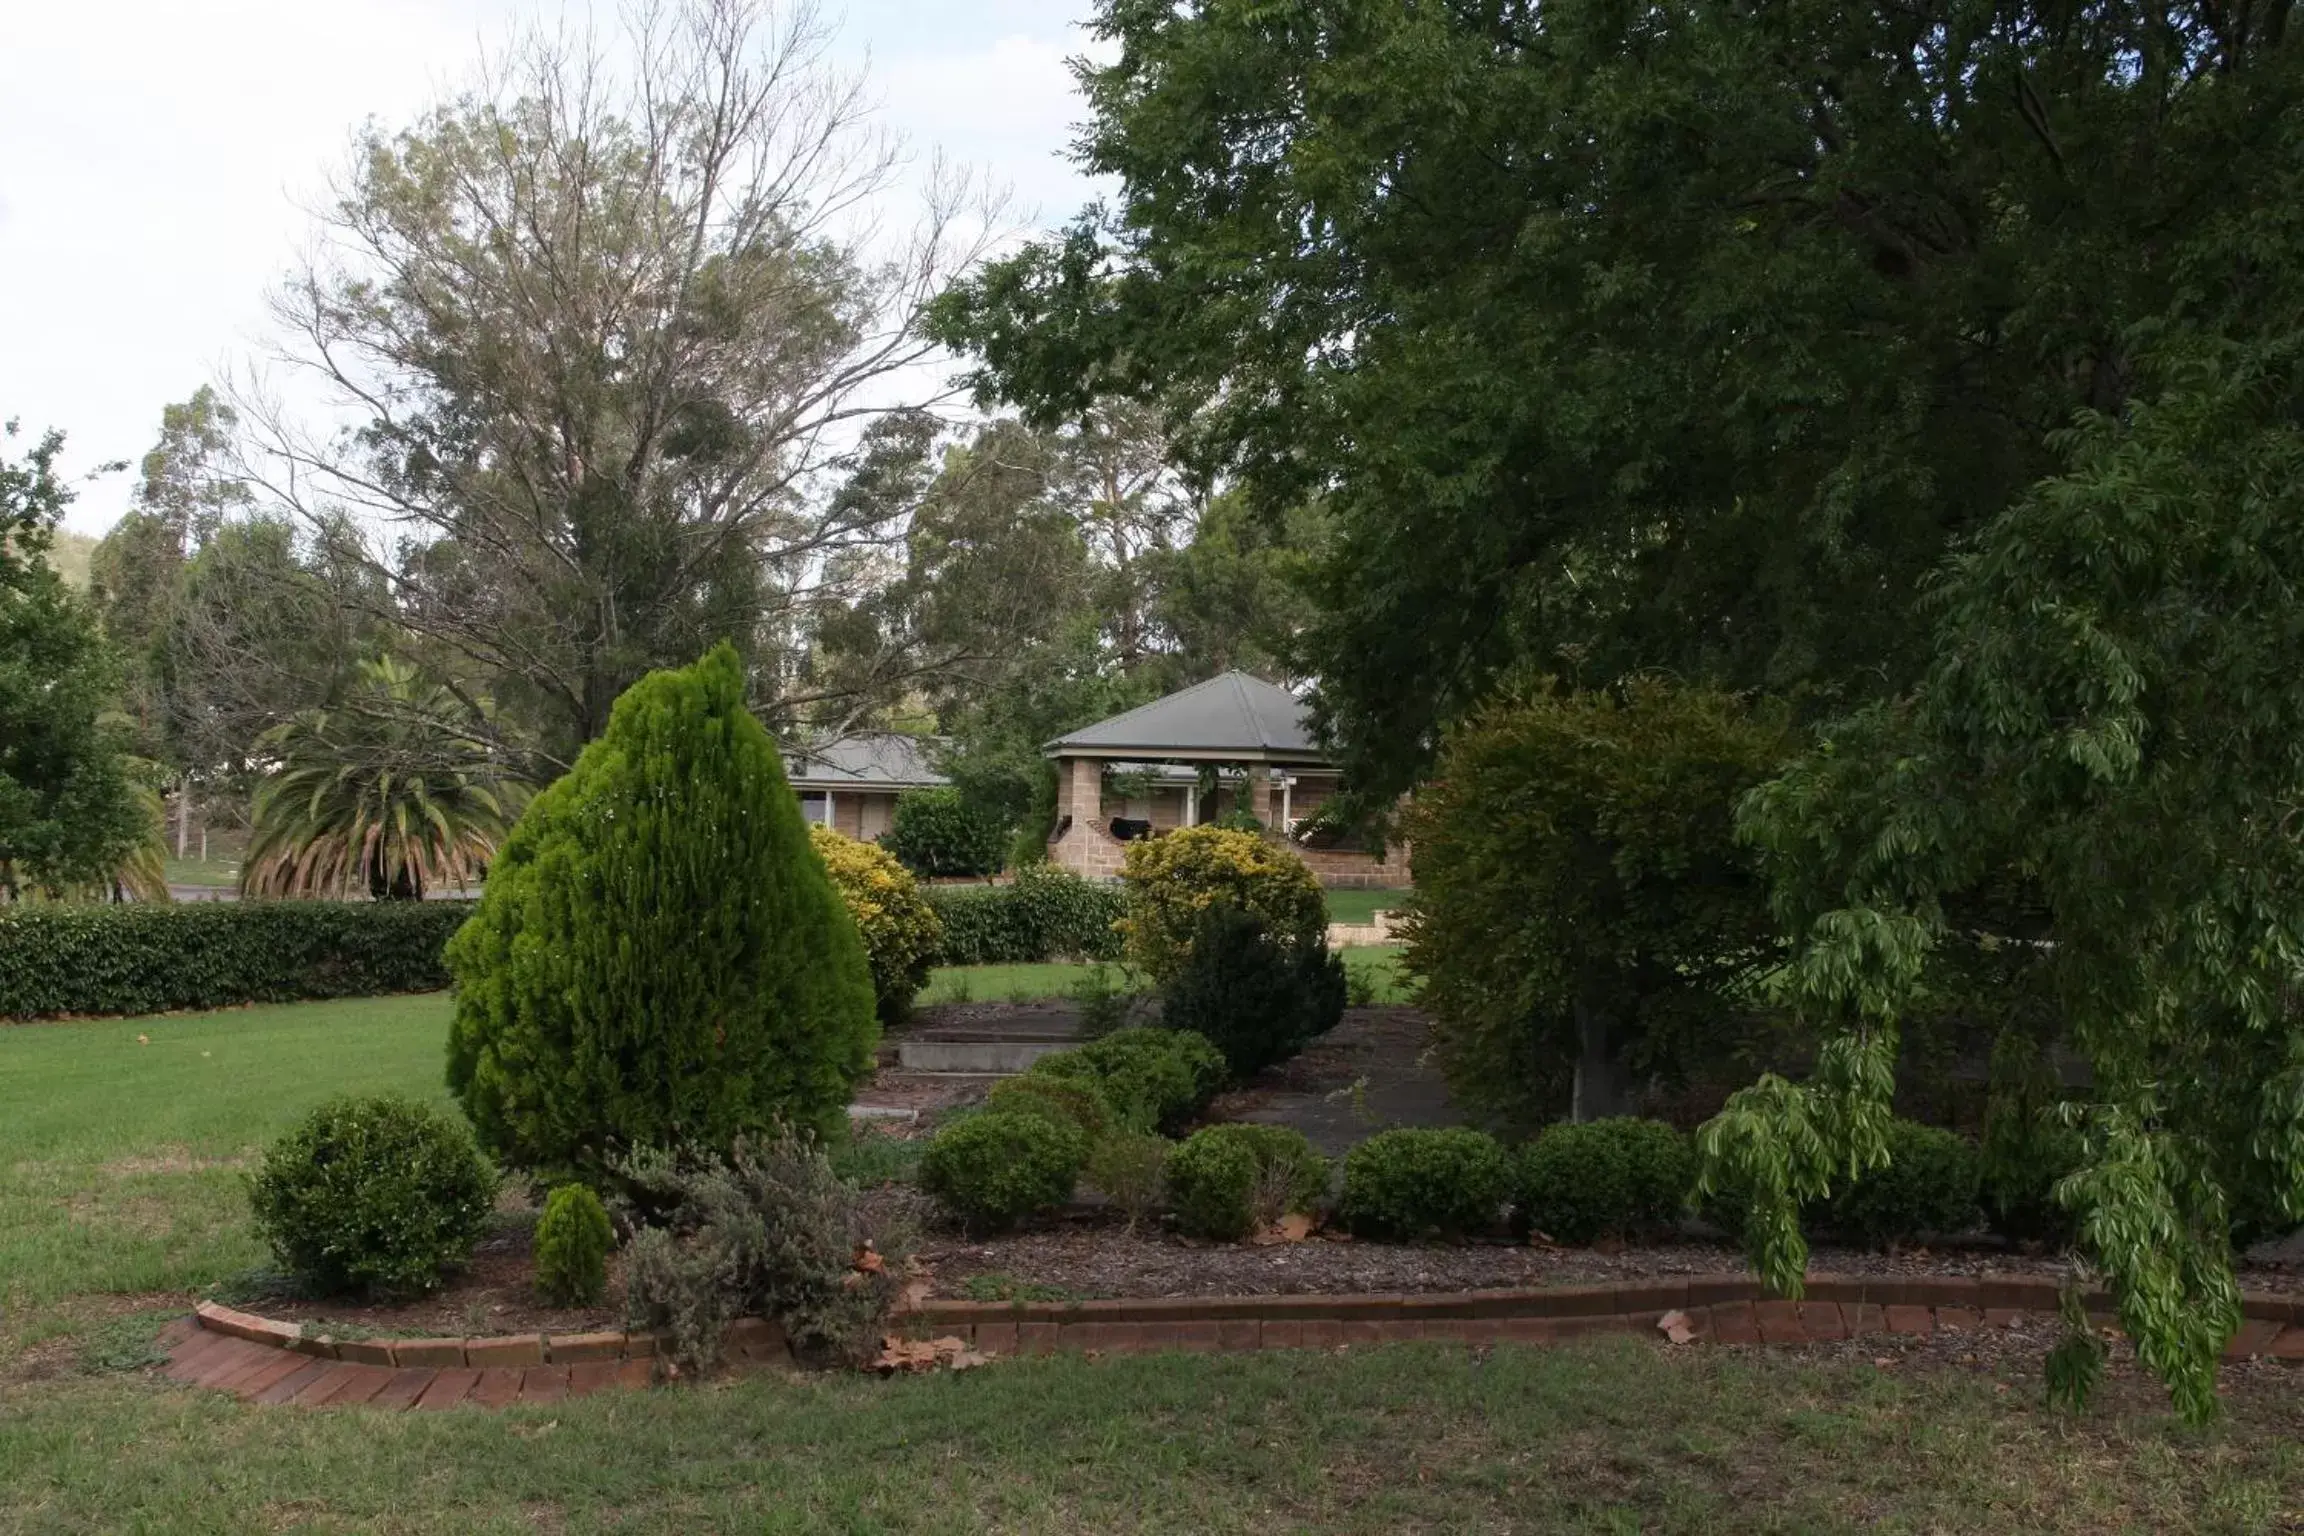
<point x="173" y="1160"/>
<point x="1091" y="1256"/>
<point x="495" y="1294"/>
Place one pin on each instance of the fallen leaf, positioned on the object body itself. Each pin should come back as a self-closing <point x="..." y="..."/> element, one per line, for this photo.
<point x="143" y="1039"/>
<point x="913" y="1296"/>
<point x="868" y="1260"/>
<point x="1676" y="1326"/>
<point x="1292" y="1228"/>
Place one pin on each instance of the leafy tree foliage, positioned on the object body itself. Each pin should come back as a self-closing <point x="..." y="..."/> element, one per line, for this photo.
<point x="659" y="960"/>
<point x="1584" y="917"/>
<point x="599" y="318"/>
<point x="1932" y="366"/>
<point x="936" y="832"/>
<point x="382" y="794"/>
<point x="1617" y="339"/>
<point x="70" y="816"/>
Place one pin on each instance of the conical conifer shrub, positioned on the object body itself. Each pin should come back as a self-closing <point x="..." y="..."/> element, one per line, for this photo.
<point x="658" y="959"/>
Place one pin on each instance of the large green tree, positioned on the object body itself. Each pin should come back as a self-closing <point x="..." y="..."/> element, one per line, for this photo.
<point x="619" y="355"/>
<point x="70" y="817"/>
<point x="1930" y="365"/>
<point x="1684" y="337"/>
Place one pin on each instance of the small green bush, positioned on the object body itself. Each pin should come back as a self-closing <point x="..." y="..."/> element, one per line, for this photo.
<point x="1173" y="879"/>
<point x="1075" y="1101"/>
<point x="1602" y="1178"/>
<point x="1227" y="1181"/>
<point x="373" y="1196"/>
<point x="147" y="957"/>
<point x="993" y="1169"/>
<point x="1410" y="1183"/>
<point x="573" y="1238"/>
<point x="1154" y="1079"/>
<point x="768" y="1229"/>
<point x="1131" y="1168"/>
<point x="1045" y="913"/>
<point x="1254" y="998"/>
<point x="939" y="835"/>
<point x="1928" y="1186"/>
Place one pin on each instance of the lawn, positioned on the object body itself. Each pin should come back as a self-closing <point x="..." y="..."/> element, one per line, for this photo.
<point x="1362" y="906"/>
<point x="1605" y="1436"/>
<point x="1027" y="983"/>
<point x="124" y="1143"/>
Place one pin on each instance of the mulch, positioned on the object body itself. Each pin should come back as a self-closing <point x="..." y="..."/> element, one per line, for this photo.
<point x="1091" y="1257"/>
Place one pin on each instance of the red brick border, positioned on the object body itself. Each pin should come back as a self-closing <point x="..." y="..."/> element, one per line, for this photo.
<point x="273" y="1362"/>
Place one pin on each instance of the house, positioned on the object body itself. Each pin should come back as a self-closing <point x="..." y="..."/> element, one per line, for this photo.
<point x="1232" y="743"/>
<point x="850" y="783"/>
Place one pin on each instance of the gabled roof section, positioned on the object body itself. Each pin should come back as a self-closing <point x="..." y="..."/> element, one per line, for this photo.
<point x="1234" y="715"/>
<point x="868" y="759"/>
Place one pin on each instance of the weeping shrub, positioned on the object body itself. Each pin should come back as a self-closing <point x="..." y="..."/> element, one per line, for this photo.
<point x="659" y="958"/>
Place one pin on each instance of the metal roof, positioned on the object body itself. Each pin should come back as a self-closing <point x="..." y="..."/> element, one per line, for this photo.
<point x="1233" y="715"/>
<point x="886" y="759"/>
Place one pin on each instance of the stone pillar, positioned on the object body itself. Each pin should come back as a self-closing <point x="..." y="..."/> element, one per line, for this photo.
<point x="1080" y="790"/>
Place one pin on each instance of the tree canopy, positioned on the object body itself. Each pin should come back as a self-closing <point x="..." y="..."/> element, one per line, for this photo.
<point x="1930" y="367"/>
<point x="70" y="817"/>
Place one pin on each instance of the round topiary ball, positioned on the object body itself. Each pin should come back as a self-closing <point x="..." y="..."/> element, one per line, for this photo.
<point x="375" y="1196"/>
<point x="1601" y="1178"/>
<point x="994" y="1168"/>
<point x="1410" y="1182"/>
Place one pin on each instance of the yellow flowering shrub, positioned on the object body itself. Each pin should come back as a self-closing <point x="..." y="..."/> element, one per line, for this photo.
<point x="901" y="932"/>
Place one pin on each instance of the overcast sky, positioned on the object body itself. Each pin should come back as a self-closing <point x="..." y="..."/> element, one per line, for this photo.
<point x="156" y="158"/>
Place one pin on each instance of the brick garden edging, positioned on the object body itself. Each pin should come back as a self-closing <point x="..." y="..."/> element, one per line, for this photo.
<point x="273" y="1362"/>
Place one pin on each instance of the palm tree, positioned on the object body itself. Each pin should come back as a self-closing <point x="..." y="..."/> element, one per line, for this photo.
<point x="382" y="791"/>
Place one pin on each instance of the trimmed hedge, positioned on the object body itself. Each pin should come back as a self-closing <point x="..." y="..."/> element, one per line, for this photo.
<point x="1608" y="1177"/>
<point x="1043" y="914"/>
<point x="151" y="958"/>
<point x="1407" y="1183"/>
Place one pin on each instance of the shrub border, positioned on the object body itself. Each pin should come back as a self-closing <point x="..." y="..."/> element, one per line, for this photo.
<point x="1723" y="1309"/>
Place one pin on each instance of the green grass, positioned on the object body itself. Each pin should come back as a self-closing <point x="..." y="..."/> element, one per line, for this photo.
<point x="218" y="873"/>
<point x="1362" y="906"/>
<point x="1605" y="1436"/>
<point x="1006" y="983"/>
<point x="1033" y="983"/>
<point x="123" y="1160"/>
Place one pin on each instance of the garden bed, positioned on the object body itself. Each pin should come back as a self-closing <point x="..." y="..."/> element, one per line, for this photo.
<point x="1094" y="1256"/>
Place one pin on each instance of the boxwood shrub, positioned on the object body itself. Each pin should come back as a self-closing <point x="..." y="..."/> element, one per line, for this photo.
<point x="1929" y="1186"/>
<point x="1225" y="1180"/>
<point x="153" y="957"/>
<point x="992" y="1169"/>
<point x="1601" y="1178"/>
<point x="1045" y="913"/>
<point x="1412" y="1183"/>
<point x="1153" y="1079"/>
<point x="373" y="1196"/>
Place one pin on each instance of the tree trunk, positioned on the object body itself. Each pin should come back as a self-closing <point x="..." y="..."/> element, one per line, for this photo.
<point x="1599" y="1077"/>
<point x="183" y="817"/>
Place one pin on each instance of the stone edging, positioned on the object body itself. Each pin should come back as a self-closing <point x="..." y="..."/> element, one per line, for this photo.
<point x="751" y="1339"/>
<point x="1726" y="1309"/>
<point x="263" y="1361"/>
